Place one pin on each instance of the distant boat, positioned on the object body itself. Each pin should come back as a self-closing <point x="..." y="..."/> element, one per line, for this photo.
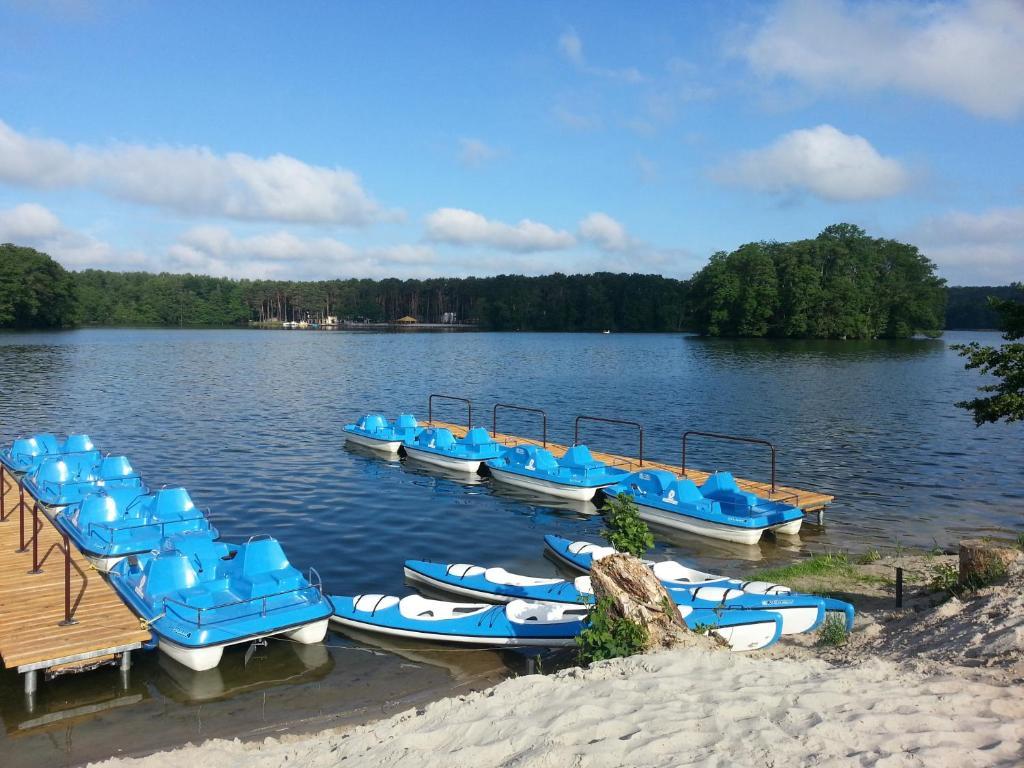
<point x="605" y="331"/>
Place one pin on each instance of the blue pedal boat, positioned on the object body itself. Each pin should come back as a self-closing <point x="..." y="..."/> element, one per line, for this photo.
<point x="25" y="453"/>
<point x="678" y="503"/>
<point x="576" y="476"/>
<point x="580" y="555"/>
<point x="799" y="613"/>
<point x="110" y="524"/>
<point x="374" y="431"/>
<point x="438" y="446"/>
<point x="199" y="596"/>
<point x="61" y="480"/>
<point x="519" y="623"/>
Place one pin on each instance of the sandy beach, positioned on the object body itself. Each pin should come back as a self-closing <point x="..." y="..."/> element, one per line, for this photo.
<point x="938" y="685"/>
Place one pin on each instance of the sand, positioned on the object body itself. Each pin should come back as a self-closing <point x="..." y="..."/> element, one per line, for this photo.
<point x="936" y="685"/>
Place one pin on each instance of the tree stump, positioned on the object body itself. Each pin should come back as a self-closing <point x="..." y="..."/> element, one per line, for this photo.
<point x="637" y="595"/>
<point x="982" y="561"/>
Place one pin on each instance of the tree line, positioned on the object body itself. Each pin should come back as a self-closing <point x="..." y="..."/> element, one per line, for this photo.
<point x="841" y="284"/>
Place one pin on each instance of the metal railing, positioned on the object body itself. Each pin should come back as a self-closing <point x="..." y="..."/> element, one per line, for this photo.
<point x="316" y="586"/>
<point x="733" y="438"/>
<point x="469" y="408"/>
<point x="37" y="564"/>
<point x="543" y="414"/>
<point x="601" y="419"/>
<point x="114" y="530"/>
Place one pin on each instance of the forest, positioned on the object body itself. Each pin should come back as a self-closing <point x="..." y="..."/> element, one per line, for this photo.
<point x="841" y="284"/>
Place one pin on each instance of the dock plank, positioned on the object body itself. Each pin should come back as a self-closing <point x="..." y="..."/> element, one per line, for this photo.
<point x="808" y="501"/>
<point x="32" y="605"/>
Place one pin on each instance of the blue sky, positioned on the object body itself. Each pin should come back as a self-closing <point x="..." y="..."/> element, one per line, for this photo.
<point x="308" y="140"/>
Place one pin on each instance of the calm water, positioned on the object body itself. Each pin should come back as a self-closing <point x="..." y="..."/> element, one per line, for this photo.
<point x="250" y="422"/>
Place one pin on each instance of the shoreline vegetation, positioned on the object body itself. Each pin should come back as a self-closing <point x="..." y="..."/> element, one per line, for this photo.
<point x="841" y="284"/>
<point x="870" y="696"/>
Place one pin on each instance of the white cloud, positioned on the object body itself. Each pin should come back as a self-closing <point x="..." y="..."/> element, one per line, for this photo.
<point x="822" y="161"/>
<point x="461" y="227"/>
<point x="984" y="248"/>
<point x="571" y="47"/>
<point x="968" y="53"/>
<point x="191" y="180"/>
<point x="32" y="225"/>
<point x="575" y="120"/>
<point x="604" y="232"/>
<point x="474" y="153"/>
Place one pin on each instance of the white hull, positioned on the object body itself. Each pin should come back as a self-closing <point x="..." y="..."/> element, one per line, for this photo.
<point x="792" y="528"/>
<point x="103" y="564"/>
<point x="470" y="466"/>
<point x="700" y="527"/>
<point x="796" y="620"/>
<point x="559" y="490"/>
<point x="389" y="446"/>
<point x="747" y="637"/>
<point x="202" y="659"/>
<point x="461" y="639"/>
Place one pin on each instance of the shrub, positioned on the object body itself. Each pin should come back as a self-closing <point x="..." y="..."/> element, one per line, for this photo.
<point x="607" y="637"/>
<point x="623" y="527"/>
<point x="833" y="631"/>
<point x="871" y="556"/>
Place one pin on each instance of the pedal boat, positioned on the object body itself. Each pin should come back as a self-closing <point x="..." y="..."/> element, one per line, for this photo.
<point x="26" y="453"/>
<point x="730" y="515"/>
<point x="799" y="613"/>
<point x="199" y="596"/>
<point x="580" y="555"/>
<point x="58" y="481"/>
<point x="576" y="476"/>
<point x="376" y="432"/>
<point x="110" y="524"/>
<point x="438" y="446"/>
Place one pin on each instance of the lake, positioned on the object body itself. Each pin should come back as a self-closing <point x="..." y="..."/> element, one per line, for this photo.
<point x="250" y="422"/>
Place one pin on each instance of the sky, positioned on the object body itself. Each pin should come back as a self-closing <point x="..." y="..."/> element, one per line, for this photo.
<point x="329" y="140"/>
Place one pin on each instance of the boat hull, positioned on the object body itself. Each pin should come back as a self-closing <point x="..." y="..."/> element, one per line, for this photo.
<point x="689" y="524"/>
<point x="559" y="490"/>
<point x="208" y="657"/>
<point x="386" y="446"/>
<point x="437" y="637"/>
<point x="792" y="528"/>
<point x="469" y="466"/>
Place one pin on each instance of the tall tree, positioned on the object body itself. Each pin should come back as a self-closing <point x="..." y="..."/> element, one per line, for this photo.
<point x="1005" y="400"/>
<point x="35" y="291"/>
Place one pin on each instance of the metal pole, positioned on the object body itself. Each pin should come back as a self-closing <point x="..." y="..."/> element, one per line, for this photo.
<point x="899" y="587"/>
<point x="21" y="515"/>
<point x="35" y="540"/>
<point x="3" y="495"/>
<point x="68" y="618"/>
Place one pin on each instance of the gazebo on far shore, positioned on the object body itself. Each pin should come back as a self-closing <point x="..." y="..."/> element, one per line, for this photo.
<point x="407" y="320"/>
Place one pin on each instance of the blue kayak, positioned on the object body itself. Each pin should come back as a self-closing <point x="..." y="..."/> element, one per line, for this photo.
<point x="200" y="595"/>
<point x="25" y="453"/>
<point x="522" y="622"/>
<point x="112" y="523"/>
<point x="438" y="446"/>
<point x="724" y="512"/>
<point x="799" y="613"/>
<point x="577" y="475"/>
<point x="374" y="431"/>
<point x="61" y="480"/>
<point x="580" y="555"/>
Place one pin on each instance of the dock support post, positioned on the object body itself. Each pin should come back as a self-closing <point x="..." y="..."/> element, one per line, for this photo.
<point x="126" y="668"/>
<point x="31" y="685"/>
<point x="820" y="514"/>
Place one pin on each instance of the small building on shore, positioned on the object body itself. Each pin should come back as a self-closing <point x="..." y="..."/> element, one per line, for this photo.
<point x="407" y="320"/>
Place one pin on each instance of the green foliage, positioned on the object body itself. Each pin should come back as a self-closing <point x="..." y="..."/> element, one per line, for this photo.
<point x="831" y="563"/>
<point x="1005" y="398"/>
<point x="624" y="529"/>
<point x="843" y="284"/>
<point x="35" y="291"/>
<point x="832" y="632"/>
<point x="1020" y="541"/>
<point x="870" y="556"/>
<point x="969" y="308"/>
<point x="607" y="637"/>
<point x="945" y="578"/>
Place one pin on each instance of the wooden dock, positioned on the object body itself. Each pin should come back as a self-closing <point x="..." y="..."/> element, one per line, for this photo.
<point x="808" y="501"/>
<point x="33" y="635"/>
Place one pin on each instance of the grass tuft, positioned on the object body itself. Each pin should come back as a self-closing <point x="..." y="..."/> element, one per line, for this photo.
<point x="829" y="564"/>
<point x="832" y="632"/>
<point x="871" y="556"/>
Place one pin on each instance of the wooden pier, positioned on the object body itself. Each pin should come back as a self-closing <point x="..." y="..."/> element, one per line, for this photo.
<point x="41" y="586"/>
<point x="808" y="501"/>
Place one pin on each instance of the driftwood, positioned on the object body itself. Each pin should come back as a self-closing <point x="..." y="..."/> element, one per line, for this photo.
<point x="637" y="595"/>
<point x="981" y="560"/>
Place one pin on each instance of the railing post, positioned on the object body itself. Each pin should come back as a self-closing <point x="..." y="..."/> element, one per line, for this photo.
<point x="640" y="429"/>
<point x="734" y="438"/>
<point x="69" y="619"/>
<point x="3" y="494"/>
<point x="541" y="411"/>
<point x="21" y="515"/>
<point x="35" y="540"/>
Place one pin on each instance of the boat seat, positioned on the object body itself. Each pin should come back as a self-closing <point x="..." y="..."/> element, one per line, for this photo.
<point x="371" y="603"/>
<point x="417" y="607"/>
<point x="670" y="570"/>
<point x="595" y="551"/>
<point x="463" y="570"/>
<point x="583" y="585"/>
<point x="501" y="576"/>
<point x="523" y="612"/>
<point x="258" y="585"/>
<point x="717" y="594"/>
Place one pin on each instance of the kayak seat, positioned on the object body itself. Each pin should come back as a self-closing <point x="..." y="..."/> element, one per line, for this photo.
<point x="586" y="548"/>
<point x="371" y="603"/>
<point x="501" y="576"/>
<point x="670" y="570"/>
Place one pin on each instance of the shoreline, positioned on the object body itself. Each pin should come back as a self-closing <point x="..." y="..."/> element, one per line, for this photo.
<point x="937" y="683"/>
